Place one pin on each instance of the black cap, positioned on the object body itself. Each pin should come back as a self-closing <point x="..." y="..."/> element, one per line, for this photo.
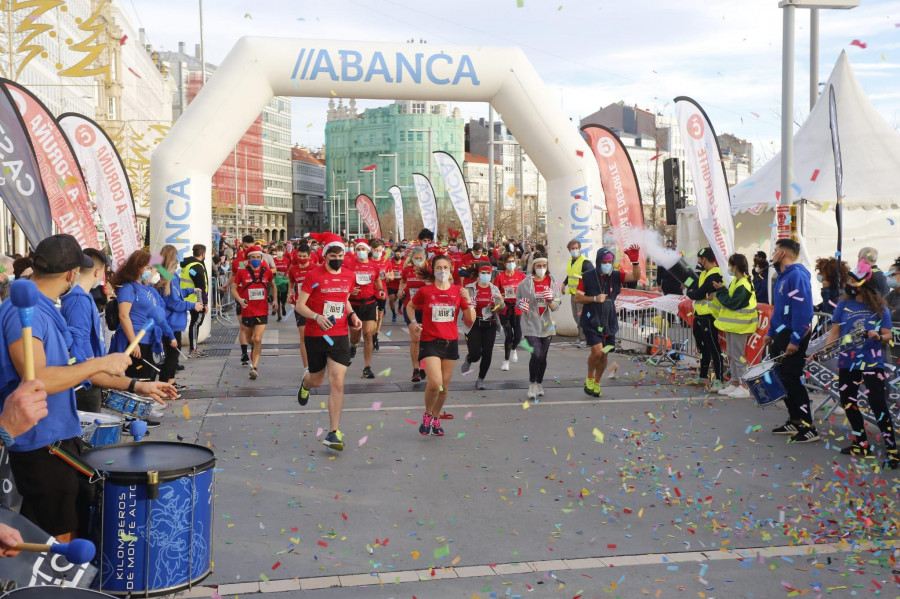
<point x="60" y="253"/>
<point x="707" y="253"/>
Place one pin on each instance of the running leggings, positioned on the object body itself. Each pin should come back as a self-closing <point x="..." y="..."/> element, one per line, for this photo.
<point x="849" y="381"/>
<point x="197" y="319"/>
<point x="512" y="329"/>
<point x="480" y="341"/>
<point x="537" y="365"/>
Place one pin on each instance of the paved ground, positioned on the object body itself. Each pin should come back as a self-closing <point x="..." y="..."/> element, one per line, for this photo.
<point x="654" y="490"/>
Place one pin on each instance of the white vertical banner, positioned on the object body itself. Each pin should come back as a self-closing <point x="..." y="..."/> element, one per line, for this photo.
<point x="400" y="233"/>
<point x="708" y="173"/>
<point x="459" y="193"/>
<point x="427" y="205"/>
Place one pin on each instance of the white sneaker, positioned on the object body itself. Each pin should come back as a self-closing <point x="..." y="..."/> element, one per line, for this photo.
<point x="155" y="413"/>
<point x="727" y="390"/>
<point x="514" y="357"/>
<point x="540" y="390"/>
<point x="505" y="365"/>
<point x="740" y="393"/>
<point x="532" y="392"/>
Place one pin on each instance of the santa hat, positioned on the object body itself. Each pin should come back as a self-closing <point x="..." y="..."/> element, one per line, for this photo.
<point x="254" y="249"/>
<point x="362" y="242"/>
<point x="327" y="240"/>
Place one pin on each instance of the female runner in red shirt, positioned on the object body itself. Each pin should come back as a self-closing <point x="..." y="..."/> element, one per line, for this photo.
<point x="410" y="283"/>
<point x="508" y="280"/>
<point x="440" y="302"/>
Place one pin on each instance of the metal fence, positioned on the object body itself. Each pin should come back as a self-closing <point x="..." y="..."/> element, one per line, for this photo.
<point x="223" y="301"/>
<point x="662" y="336"/>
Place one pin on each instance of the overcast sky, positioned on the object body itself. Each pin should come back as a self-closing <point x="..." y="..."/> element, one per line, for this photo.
<point x="726" y="54"/>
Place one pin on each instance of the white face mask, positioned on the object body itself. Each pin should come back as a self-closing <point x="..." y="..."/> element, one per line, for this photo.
<point x="540" y="272"/>
<point x="154" y="278"/>
<point x="377" y="255"/>
<point x="280" y="254"/>
<point x="362" y="254"/>
<point x="510" y="266"/>
<point x="575" y="253"/>
<point x="442" y="275"/>
<point x="418" y="262"/>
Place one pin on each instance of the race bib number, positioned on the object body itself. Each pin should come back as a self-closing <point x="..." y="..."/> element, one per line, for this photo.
<point x="256" y="294"/>
<point x="397" y="274"/>
<point x="363" y="278"/>
<point x="335" y="309"/>
<point x="509" y="292"/>
<point x="487" y="313"/>
<point x="541" y="301"/>
<point x="442" y="314"/>
<point x="412" y="292"/>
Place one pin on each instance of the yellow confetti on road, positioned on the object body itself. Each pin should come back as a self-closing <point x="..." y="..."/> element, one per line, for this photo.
<point x="187" y="412"/>
<point x="598" y="435"/>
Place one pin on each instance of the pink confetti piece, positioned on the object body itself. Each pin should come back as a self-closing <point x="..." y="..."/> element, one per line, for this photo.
<point x="363" y="440"/>
<point x="319" y="432"/>
<point x="815" y="175"/>
<point x="859" y="44"/>
<point x="376" y="405"/>
<point x="467" y="416"/>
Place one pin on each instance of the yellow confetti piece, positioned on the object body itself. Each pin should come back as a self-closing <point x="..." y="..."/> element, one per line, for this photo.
<point x="385" y="372"/>
<point x="511" y="191"/>
<point x="187" y="412"/>
<point x="526" y="405"/>
<point x="598" y="435"/>
<point x="322" y="405"/>
<point x="415" y="555"/>
<point x="571" y="432"/>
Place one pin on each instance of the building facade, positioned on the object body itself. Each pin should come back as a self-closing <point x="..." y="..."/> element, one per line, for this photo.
<point x="737" y="158"/>
<point x="309" y="214"/>
<point x="397" y="140"/>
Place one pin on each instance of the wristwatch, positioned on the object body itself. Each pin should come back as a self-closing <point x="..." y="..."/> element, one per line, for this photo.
<point x="131" y="385"/>
<point x="6" y="438"/>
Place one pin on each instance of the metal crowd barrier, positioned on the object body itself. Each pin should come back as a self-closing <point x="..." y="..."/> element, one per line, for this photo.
<point x="662" y="336"/>
<point x="223" y="302"/>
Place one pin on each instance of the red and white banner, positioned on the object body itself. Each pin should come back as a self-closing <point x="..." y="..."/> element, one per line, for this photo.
<point x="366" y="208"/>
<point x="620" y="186"/>
<point x="105" y="175"/>
<point x="708" y="173"/>
<point x="70" y="205"/>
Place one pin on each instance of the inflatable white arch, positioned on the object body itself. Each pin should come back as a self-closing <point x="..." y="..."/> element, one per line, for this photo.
<point x="258" y="68"/>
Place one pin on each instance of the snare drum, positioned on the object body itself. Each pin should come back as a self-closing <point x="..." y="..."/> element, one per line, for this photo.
<point x="52" y="592"/>
<point x="155" y="538"/>
<point x="100" y="429"/>
<point x="129" y="404"/>
<point x="764" y="382"/>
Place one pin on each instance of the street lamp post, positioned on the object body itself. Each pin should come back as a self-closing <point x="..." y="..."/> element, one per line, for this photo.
<point x="347" y="204"/>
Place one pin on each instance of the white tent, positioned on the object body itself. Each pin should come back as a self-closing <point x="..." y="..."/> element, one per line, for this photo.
<point x="870" y="151"/>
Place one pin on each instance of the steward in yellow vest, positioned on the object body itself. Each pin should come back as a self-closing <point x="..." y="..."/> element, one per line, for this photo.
<point x="738" y="311"/>
<point x="573" y="273"/>
<point x="705" y="311"/>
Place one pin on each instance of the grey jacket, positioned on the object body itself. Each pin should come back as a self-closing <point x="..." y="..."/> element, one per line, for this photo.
<point x="495" y="291"/>
<point x="533" y="323"/>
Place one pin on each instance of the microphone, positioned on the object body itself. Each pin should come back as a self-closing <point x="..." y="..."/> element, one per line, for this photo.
<point x="137" y="338"/>
<point x="24" y="295"/>
<point x="137" y="428"/>
<point x="79" y="551"/>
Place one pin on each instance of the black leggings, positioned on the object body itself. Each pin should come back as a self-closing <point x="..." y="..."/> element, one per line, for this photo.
<point x="197" y="319"/>
<point x="170" y="364"/>
<point x="282" y="300"/>
<point x="849" y="381"/>
<point x="480" y="341"/>
<point x="707" y="337"/>
<point x="139" y="369"/>
<point x="512" y="329"/>
<point x="537" y="365"/>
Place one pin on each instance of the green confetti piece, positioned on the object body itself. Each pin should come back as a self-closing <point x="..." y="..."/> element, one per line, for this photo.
<point x="520" y="3"/>
<point x="526" y="346"/>
<point x="263" y="577"/>
<point x="165" y="273"/>
<point x="688" y="282"/>
<point x="442" y="552"/>
<point x="460" y="435"/>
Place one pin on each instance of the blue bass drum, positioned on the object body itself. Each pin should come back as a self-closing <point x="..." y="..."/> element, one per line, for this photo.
<point x="764" y="383"/>
<point x="155" y="516"/>
<point x="51" y="592"/>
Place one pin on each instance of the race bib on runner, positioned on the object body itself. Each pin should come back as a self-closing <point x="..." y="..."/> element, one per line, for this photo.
<point x="541" y="302"/>
<point x="335" y="309"/>
<point x="363" y="278"/>
<point x="442" y="314"/>
<point x="412" y="292"/>
<point x="256" y="294"/>
<point x="509" y="292"/>
<point x="487" y="313"/>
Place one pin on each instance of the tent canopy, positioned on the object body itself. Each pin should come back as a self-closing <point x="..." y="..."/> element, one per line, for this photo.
<point x="870" y="151"/>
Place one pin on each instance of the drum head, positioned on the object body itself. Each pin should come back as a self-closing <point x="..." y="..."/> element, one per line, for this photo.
<point x="90" y="417"/>
<point x="53" y="592"/>
<point x="130" y="462"/>
<point x="757" y="371"/>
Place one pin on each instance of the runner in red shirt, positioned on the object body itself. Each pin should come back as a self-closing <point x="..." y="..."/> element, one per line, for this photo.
<point x="385" y="273"/>
<point x="467" y="263"/>
<point x="395" y="265"/>
<point x="480" y="338"/>
<point x="251" y="289"/>
<point x="441" y="302"/>
<point x="297" y="274"/>
<point x="369" y="288"/>
<point x="410" y="283"/>
<point x="282" y="284"/>
<point x="508" y="281"/>
<point x="238" y="264"/>
<point x="325" y="304"/>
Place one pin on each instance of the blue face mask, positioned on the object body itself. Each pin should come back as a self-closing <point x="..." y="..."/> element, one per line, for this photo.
<point x="145" y="276"/>
<point x="606" y="268"/>
<point x="484" y="278"/>
<point x="255" y="263"/>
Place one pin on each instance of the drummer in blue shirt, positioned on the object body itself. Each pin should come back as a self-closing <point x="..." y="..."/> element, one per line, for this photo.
<point x="48" y="485"/>
<point x="80" y="312"/>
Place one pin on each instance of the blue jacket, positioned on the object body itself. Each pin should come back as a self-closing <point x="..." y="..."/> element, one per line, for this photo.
<point x="80" y="312"/>
<point x="792" y="306"/>
<point x="176" y="307"/>
<point x="145" y="303"/>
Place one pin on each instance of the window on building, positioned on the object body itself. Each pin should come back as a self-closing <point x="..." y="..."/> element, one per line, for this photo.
<point x="418" y="107"/>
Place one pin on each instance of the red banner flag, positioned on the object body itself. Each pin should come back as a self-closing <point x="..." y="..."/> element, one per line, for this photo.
<point x="70" y="205"/>
<point x="366" y="208"/>
<point x="620" y="186"/>
<point x="371" y="167"/>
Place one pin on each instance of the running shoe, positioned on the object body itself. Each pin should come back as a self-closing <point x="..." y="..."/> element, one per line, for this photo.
<point x="353" y="351"/>
<point x="394" y="317"/>
<point x="367" y="373"/>
<point x="740" y="393"/>
<point x="505" y="366"/>
<point x="202" y="353"/>
<point x="532" y="392"/>
<point x="245" y="359"/>
<point x="194" y="354"/>
<point x="422" y="373"/>
<point x="581" y="343"/>
<point x="180" y="367"/>
<point x="589" y="387"/>
<point x="425" y="427"/>
<point x="302" y="395"/>
<point x="152" y="423"/>
<point x="375" y="345"/>
<point x="727" y="390"/>
<point x="466" y="366"/>
<point x="479" y="384"/>
<point x="856" y="449"/>
<point x="805" y="434"/>
<point x="436" y="429"/>
<point x="179" y="386"/>
<point x="334" y="440"/>
<point x="596" y="389"/>
<point x="893" y="461"/>
<point x="788" y="428"/>
<point x="514" y="356"/>
<point x="254" y="373"/>
<point x="156" y="413"/>
<point x="540" y="390"/>
<point x="415" y="377"/>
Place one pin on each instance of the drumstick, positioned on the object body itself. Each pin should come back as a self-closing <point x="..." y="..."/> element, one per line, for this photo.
<point x="79" y="551"/>
<point x="24" y="295"/>
<point x="137" y="338"/>
<point x="150" y="364"/>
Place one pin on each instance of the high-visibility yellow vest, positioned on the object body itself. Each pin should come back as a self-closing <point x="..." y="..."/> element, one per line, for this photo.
<point x="703" y="307"/>
<point x="187" y="284"/>
<point x="573" y="270"/>
<point x="742" y="320"/>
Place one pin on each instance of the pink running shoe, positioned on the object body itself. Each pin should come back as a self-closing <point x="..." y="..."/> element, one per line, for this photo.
<point x="436" y="429"/>
<point x="425" y="427"/>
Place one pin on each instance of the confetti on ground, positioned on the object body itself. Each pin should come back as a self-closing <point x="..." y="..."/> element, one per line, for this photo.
<point x="363" y="440"/>
<point x="186" y="411"/>
<point x="598" y="435"/>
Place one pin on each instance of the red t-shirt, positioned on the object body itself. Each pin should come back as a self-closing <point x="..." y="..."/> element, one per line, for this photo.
<point x="297" y="275"/>
<point x="328" y="293"/>
<point x="397" y="269"/>
<point x="508" y="283"/>
<point x="255" y="289"/>
<point x="413" y="282"/>
<point x="541" y="290"/>
<point x="484" y="302"/>
<point x="282" y="264"/>
<point x="456" y="259"/>
<point x="440" y="309"/>
<point x="365" y="275"/>
<point x="466" y="261"/>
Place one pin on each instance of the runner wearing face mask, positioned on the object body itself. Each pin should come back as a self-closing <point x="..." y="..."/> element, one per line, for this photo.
<point x="410" y="283"/>
<point x="253" y="285"/>
<point x="508" y="281"/>
<point x="297" y="274"/>
<point x="467" y="263"/>
<point x="395" y="264"/>
<point x="282" y="282"/>
<point x="537" y="297"/>
<point x="480" y="338"/>
<point x="386" y="274"/>
<point x="369" y="288"/>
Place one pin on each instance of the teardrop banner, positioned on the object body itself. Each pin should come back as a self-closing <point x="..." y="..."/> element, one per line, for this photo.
<point x="427" y="205"/>
<point x="366" y="208"/>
